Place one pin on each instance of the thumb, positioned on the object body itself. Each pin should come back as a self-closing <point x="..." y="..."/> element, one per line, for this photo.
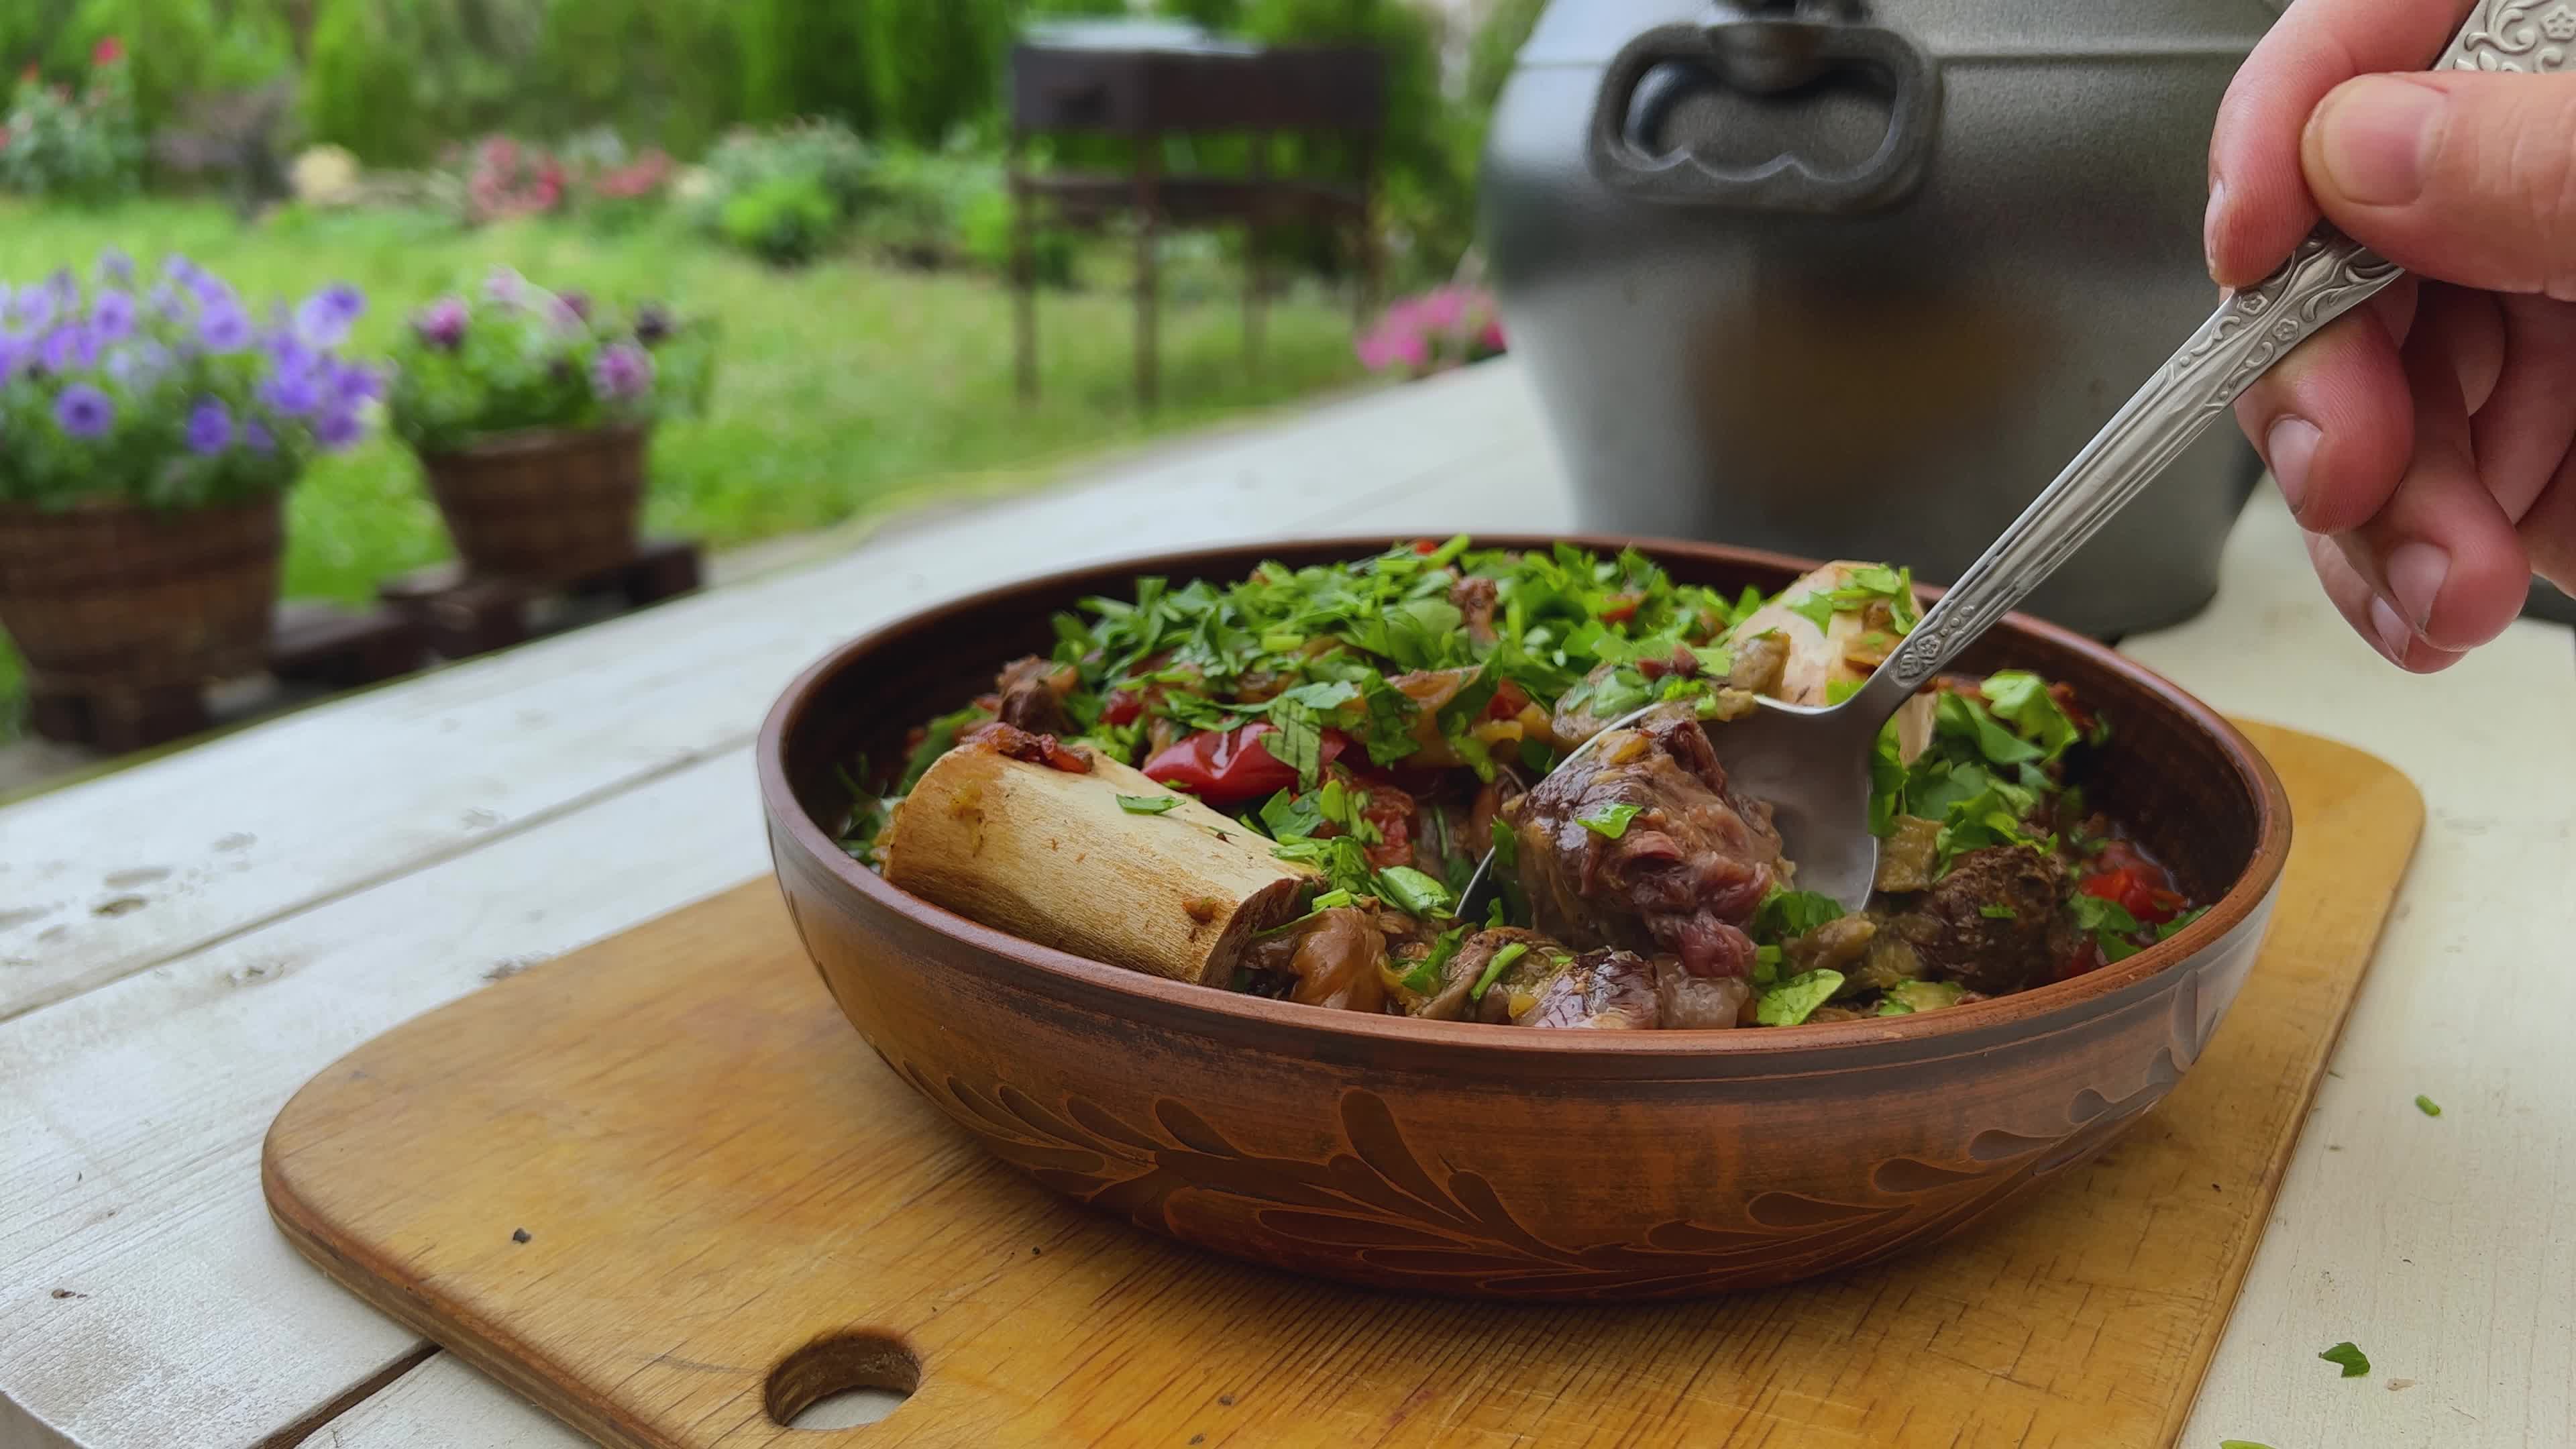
<point x="2462" y="177"/>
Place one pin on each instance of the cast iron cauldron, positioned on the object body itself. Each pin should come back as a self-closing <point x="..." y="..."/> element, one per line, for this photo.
<point x="1856" y="280"/>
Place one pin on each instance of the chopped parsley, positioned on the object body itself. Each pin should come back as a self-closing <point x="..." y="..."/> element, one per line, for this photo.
<point x="1494" y="970"/>
<point x="1149" y="804"/>
<point x="937" y="738"/>
<point x="2171" y="928"/>
<point x="2021" y="699"/>
<point x="2355" y="1362"/>
<point x="1426" y="977"/>
<point x="2241" y="1444"/>
<point x="1838" y="690"/>
<point x="1412" y="892"/>
<point x="1786" y="915"/>
<point x="1863" y="586"/>
<point x="2110" y="922"/>
<point x="1796" y="999"/>
<point x="1611" y="821"/>
<point x="1998" y="911"/>
<point x="2427" y="1105"/>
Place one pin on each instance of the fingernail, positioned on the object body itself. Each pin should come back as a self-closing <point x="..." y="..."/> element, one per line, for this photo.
<point x="2209" y="224"/>
<point x="2288" y="448"/>
<point x="2375" y="138"/>
<point x="2395" y="638"/>
<point x="2415" y="573"/>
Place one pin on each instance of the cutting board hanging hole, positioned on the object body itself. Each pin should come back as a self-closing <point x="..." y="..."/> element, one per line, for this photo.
<point x="842" y="1381"/>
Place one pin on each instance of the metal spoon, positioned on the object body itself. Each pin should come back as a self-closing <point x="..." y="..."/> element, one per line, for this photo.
<point x="1812" y="765"/>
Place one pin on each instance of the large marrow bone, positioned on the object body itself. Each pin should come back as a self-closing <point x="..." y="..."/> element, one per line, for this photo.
<point x="1050" y="856"/>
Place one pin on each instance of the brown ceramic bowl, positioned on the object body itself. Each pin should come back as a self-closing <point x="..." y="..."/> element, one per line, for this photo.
<point x="1498" y="1162"/>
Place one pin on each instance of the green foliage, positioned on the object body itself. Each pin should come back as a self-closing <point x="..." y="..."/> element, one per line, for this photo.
<point x="510" y="357"/>
<point x="786" y="195"/>
<point x="82" y="146"/>
<point x="803" y="58"/>
<point x="785" y="220"/>
<point x="1496" y="45"/>
<point x="984" y="231"/>
<point x="176" y="48"/>
<point x="934" y="66"/>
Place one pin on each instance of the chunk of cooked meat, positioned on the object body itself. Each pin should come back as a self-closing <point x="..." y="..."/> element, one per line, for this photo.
<point x="1450" y="1002"/>
<point x="1004" y="738"/>
<point x="1690" y="862"/>
<point x="1990" y="922"/>
<point x="1596" y="991"/>
<point x="1704" y="1003"/>
<point x="1833" y="946"/>
<point x="1906" y="857"/>
<point x="1033" y="691"/>
<point x="1476" y="599"/>
<point x="1759" y="663"/>
<point x="1330" y="959"/>
<point x="1572" y="724"/>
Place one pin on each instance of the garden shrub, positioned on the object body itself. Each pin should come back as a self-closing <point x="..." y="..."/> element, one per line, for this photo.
<point x="783" y="220"/>
<point x="177" y="49"/>
<point x="984" y="233"/>
<point x="74" y="145"/>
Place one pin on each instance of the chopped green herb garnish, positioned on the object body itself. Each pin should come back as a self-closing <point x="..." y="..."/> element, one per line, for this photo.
<point x="2021" y="699"/>
<point x="1148" y="804"/>
<point x="1611" y="821"/>
<point x="1817" y="609"/>
<point x="1494" y="970"/>
<point x="1838" y="690"/>
<point x="2174" y="927"/>
<point x="1333" y="900"/>
<point x="937" y="738"/>
<point x="2427" y="1105"/>
<point x="1412" y="892"/>
<point x="1796" y="999"/>
<point x="2355" y="1362"/>
<point x="1425" y="978"/>
<point x="1997" y="911"/>
<point x="1787" y="915"/>
<point x="2241" y="1444"/>
<point x="2110" y="922"/>
<point x="1766" y="965"/>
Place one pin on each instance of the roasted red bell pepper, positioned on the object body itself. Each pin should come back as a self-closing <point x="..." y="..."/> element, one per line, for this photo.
<point x="1121" y="707"/>
<point x="1230" y="768"/>
<point x="2139" y="887"/>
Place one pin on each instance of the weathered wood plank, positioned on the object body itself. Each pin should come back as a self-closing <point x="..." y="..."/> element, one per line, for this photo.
<point x="131" y="1147"/>
<point x="110" y="877"/>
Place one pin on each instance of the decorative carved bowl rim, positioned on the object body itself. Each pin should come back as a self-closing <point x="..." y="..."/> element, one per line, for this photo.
<point x="800" y="843"/>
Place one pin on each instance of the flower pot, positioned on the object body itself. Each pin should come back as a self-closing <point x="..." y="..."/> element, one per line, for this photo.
<point x="112" y="597"/>
<point x="543" y="506"/>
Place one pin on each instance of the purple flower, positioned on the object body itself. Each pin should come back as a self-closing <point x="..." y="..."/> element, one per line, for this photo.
<point x="254" y="436"/>
<point x="224" y="328"/>
<point x="354" y="384"/>
<point x="167" y="302"/>
<point x="210" y="428"/>
<point x="337" y="429"/>
<point x="112" y="313"/>
<point x="324" y="317"/>
<point x="116" y="267"/>
<point x="72" y="345"/>
<point x="441" y="324"/>
<point x="565" y="318"/>
<point x="505" y="287"/>
<point x="294" y="393"/>
<point x="578" y="303"/>
<point x="214" y="292"/>
<point x="15" y="354"/>
<point x="652" y="324"/>
<point x="65" y="289"/>
<point x="32" y="309"/>
<point x="138" y="364"/>
<point x="623" y="372"/>
<point x="84" y="411"/>
<point x="180" y="270"/>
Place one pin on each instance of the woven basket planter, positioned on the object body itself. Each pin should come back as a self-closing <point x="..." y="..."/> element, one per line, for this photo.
<point x="106" y="598"/>
<point x="549" y="507"/>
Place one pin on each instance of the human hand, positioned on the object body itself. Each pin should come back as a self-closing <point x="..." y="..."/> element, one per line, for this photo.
<point x="2424" y="439"/>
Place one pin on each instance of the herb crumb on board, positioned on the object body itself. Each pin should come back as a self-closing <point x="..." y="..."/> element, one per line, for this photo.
<point x="2427" y="1105"/>
<point x="2355" y="1363"/>
<point x="521" y="1235"/>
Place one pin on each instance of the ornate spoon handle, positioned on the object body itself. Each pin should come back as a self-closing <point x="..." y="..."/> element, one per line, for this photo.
<point x="2327" y="276"/>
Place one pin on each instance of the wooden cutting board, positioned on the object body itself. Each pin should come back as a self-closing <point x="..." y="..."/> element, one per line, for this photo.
<point x="730" y="1208"/>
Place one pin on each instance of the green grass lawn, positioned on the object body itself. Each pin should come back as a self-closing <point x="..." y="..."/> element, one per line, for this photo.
<point x="842" y="388"/>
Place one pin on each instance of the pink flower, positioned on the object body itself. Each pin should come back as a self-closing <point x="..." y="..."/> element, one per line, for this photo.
<point x="1443" y="310"/>
<point x="1395" y="341"/>
<point x="107" y="52"/>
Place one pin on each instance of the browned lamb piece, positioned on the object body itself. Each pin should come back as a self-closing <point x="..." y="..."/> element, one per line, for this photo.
<point x="1685" y="872"/>
<point x="1991" y="924"/>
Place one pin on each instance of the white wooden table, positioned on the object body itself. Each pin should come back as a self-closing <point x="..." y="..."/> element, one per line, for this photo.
<point x="184" y="944"/>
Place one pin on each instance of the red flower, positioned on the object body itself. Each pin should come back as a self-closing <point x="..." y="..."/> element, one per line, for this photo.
<point x="107" y="52"/>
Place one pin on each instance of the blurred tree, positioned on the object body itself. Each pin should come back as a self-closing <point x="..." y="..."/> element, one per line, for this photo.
<point x="178" y="49"/>
<point x="935" y="65"/>
<point x="804" y="58"/>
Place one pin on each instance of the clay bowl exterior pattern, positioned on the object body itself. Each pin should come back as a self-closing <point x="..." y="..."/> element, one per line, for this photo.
<point x="1494" y="1162"/>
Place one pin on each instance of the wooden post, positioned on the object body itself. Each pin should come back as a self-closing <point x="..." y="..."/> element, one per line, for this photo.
<point x="1149" y="160"/>
<point x="1257" y="279"/>
<point x="1024" y="294"/>
<point x="1365" y="299"/>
